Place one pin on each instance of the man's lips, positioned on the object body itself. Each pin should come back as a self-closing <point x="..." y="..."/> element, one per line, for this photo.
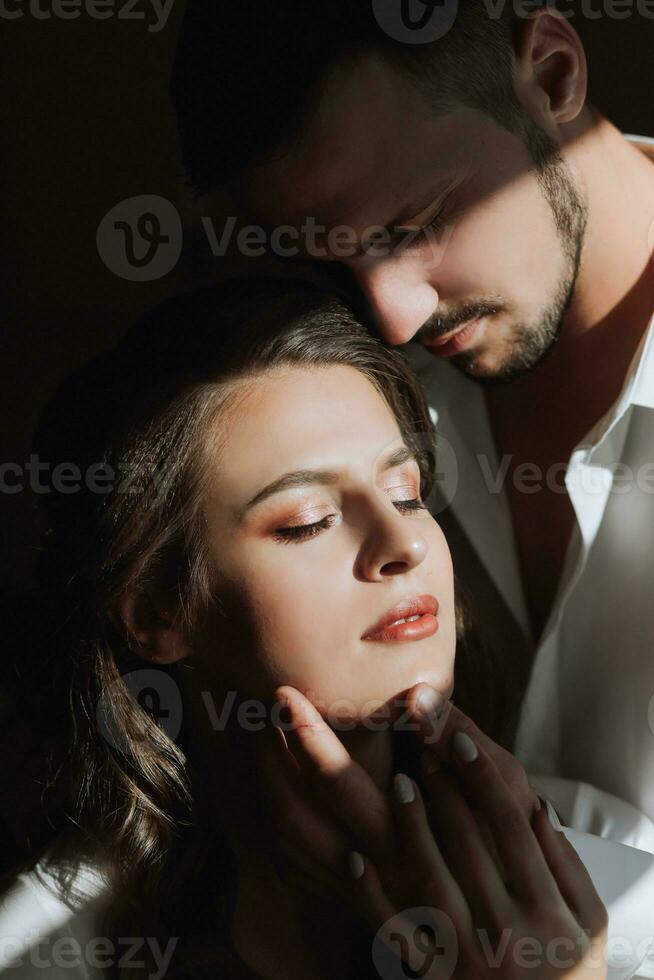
<point x="440" y="341"/>
<point x="458" y="340"/>
<point x="420" y="610"/>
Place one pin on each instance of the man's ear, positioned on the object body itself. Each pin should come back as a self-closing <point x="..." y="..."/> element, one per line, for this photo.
<point x="552" y="74"/>
<point x="151" y="632"/>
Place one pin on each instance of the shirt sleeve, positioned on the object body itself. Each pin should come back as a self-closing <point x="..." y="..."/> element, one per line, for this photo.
<point x="41" y="936"/>
<point x="615" y="841"/>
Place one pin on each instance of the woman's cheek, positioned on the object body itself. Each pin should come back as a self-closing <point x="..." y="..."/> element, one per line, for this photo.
<point x="299" y="608"/>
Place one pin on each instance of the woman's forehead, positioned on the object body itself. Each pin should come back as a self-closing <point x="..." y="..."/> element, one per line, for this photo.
<point x="300" y="417"/>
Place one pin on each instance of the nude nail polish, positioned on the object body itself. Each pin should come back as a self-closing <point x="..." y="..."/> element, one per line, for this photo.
<point x="355" y="861"/>
<point x="464" y="747"/>
<point x="553" y="817"/>
<point x="404" y="791"/>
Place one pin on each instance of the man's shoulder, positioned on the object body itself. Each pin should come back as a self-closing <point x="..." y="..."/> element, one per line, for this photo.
<point x="643" y="143"/>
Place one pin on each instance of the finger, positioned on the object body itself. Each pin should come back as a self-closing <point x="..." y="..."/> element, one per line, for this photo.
<point x="466" y="854"/>
<point x="571" y="876"/>
<point x="368" y="896"/>
<point x="519" y="851"/>
<point x="443" y="723"/>
<point x="437" y="885"/>
<point x="428" y="712"/>
<point x="440" y="724"/>
<point x="406" y="937"/>
<point x="290" y="809"/>
<point x="349" y="791"/>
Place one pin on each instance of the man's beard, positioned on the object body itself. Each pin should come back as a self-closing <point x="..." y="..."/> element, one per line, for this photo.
<point x="532" y="342"/>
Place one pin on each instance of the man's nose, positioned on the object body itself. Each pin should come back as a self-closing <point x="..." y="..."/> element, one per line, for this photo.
<point x="393" y="546"/>
<point x="400" y="298"/>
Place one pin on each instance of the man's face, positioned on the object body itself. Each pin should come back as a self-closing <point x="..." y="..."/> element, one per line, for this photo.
<point x="476" y="232"/>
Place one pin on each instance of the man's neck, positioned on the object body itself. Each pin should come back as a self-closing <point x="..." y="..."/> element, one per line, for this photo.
<point x="540" y="418"/>
<point x="614" y="296"/>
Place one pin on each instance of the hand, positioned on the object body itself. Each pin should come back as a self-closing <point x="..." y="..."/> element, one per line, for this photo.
<point x="440" y="750"/>
<point x="458" y="913"/>
<point x="317" y="796"/>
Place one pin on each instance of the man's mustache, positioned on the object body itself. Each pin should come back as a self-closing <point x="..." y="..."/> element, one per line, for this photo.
<point x="439" y="323"/>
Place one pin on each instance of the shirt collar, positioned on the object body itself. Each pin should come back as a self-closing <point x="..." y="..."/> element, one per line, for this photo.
<point x="639" y="384"/>
<point x="640" y="379"/>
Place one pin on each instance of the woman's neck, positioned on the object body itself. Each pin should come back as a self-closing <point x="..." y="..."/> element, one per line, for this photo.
<point x="224" y="750"/>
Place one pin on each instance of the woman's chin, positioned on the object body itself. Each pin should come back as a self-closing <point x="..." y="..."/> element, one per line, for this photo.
<point x="381" y="709"/>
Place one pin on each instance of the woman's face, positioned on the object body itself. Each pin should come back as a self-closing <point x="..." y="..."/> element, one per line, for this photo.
<point x="314" y="543"/>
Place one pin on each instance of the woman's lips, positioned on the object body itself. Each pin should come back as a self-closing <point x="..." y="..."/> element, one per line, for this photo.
<point x="419" y="615"/>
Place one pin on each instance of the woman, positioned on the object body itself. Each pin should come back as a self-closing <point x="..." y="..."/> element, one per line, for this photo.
<point x="250" y="521"/>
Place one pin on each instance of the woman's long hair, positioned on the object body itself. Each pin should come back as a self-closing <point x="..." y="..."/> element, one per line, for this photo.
<point x="135" y="423"/>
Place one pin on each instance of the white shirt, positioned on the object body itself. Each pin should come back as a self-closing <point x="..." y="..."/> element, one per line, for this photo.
<point x="43" y="935"/>
<point x="586" y="731"/>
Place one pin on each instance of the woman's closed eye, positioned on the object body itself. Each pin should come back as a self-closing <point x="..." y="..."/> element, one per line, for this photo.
<point x="301" y="532"/>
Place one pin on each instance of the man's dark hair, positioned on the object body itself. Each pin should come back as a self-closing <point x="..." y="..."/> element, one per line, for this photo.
<point x="248" y="73"/>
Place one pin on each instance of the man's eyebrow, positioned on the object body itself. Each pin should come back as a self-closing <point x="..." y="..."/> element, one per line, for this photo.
<point x="306" y="478"/>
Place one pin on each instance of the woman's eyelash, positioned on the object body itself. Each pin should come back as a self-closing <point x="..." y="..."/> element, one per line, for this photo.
<point x="414" y="504"/>
<point x="303" y="531"/>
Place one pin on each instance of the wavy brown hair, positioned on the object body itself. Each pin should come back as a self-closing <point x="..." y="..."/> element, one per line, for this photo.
<point x="113" y="785"/>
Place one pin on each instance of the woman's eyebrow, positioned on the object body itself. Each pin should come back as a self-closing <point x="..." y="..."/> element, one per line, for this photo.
<point x="305" y="478"/>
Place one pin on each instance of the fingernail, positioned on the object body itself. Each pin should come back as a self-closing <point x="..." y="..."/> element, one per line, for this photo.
<point x="464" y="747"/>
<point x="357" y="866"/>
<point x="553" y="817"/>
<point x="431" y="703"/>
<point x="404" y="791"/>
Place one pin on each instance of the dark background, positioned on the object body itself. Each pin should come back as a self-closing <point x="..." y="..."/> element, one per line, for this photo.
<point x="87" y="123"/>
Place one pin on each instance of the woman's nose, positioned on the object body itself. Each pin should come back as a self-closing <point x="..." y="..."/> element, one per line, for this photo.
<point x="393" y="546"/>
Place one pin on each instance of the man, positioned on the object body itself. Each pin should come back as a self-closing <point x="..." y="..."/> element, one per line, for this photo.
<point x="486" y="212"/>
